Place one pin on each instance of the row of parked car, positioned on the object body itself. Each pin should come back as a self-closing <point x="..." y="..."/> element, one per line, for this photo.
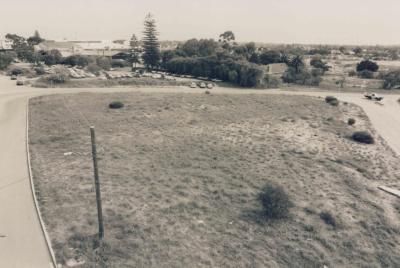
<point x="20" y="81"/>
<point x="202" y="85"/>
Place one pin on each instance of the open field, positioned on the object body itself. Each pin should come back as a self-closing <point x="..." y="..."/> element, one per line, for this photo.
<point x="181" y="174"/>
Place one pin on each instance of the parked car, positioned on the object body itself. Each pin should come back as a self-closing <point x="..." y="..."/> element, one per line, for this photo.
<point x="193" y="85"/>
<point x="373" y="96"/>
<point x="20" y="82"/>
<point x="13" y="77"/>
<point x="203" y="85"/>
<point x="210" y="86"/>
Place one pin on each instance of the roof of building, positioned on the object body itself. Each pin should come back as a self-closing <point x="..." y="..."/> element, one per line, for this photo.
<point x="5" y="44"/>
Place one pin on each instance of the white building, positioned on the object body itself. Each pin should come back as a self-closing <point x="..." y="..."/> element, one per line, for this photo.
<point x="5" y="44"/>
<point x="89" y="48"/>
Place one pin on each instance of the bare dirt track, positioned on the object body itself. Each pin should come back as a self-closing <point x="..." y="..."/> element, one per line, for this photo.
<point x="21" y="242"/>
<point x="181" y="174"/>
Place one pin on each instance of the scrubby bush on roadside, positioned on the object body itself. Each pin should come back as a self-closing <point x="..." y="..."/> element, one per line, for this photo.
<point x="271" y="82"/>
<point x="39" y="70"/>
<point x="351" y="121"/>
<point x="16" y="71"/>
<point x="363" y="137"/>
<point x="60" y="76"/>
<point x="302" y="77"/>
<point x="352" y="73"/>
<point x="116" y="105"/>
<point x="391" y="80"/>
<point x="104" y="63"/>
<point x="94" y="68"/>
<point x="366" y="74"/>
<point x="276" y="203"/>
<point x="120" y="63"/>
<point x="332" y="100"/>
<point x="328" y="218"/>
<point x="5" y="60"/>
<point x="367" y="65"/>
<point x="76" y="60"/>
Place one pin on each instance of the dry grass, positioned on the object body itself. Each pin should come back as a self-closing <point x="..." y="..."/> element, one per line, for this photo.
<point x="122" y="82"/>
<point x="181" y="175"/>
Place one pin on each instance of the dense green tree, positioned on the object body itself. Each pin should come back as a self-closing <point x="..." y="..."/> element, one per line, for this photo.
<point x="227" y="37"/>
<point x="367" y="65"/>
<point x="317" y="62"/>
<point x="269" y="57"/>
<point x="5" y="60"/>
<point x="134" y="44"/>
<point x="297" y="63"/>
<point x="151" y="46"/>
<point x="52" y="57"/>
<point x="35" y="39"/>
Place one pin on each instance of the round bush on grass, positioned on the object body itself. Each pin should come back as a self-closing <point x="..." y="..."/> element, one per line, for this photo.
<point x="332" y="100"/>
<point x="351" y="121"/>
<point x="116" y="105"/>
<point x="363" y="137"/>
<point x="275" y="202"/>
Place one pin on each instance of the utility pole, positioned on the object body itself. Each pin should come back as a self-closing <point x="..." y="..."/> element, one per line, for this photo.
<point x="97" y="185"/>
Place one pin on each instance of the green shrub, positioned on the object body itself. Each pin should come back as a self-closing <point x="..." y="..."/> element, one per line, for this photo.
<point x="116" y="105"/>
<point x="60" y="76"/>
<point x="94" y="68"/>
<point x="16" y="71"/>
<point x="39" y="70"/>
<point x="275" y="202"/>
<point x="366" y="74"/>
<point x="332" y="100"/>
<point x="328" y="218"/>
<point x="351" y="121"/>
<point x="352" y="73"/>
<point x="391" y="80"/>
<point x="363" y="137"/>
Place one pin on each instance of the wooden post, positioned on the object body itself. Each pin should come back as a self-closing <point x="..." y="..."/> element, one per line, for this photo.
<point x="97" y="184"/>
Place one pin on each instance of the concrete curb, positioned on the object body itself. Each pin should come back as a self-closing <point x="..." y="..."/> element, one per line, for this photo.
<point x="42" y="225"/>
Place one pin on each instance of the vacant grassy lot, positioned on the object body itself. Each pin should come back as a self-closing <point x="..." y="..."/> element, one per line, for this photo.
<point x="181" y="175"/>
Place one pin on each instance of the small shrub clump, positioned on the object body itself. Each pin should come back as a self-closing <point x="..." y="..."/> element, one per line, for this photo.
<point x="328" y="218"/>
<point x="276" y="203"/>
<point x="363" y="137"/>
<point x="351" y="121"/>
<point x="332" y="100"/>
<point x="116" y="105"/>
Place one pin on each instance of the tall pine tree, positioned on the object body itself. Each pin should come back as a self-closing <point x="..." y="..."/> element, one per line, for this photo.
<point x="151" y="56"/>
<point x="135" y="50"/>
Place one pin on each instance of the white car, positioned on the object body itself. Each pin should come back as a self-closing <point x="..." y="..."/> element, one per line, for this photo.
<point x="373" y="96"/>
<point x="203" y="85"/>
<point x="193" y="85"/>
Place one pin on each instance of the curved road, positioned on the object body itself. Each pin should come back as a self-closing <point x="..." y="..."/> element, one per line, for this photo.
<point x="22" y="243"/>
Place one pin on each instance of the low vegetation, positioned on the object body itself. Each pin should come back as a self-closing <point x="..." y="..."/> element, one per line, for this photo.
<point x="328" y="218"/>
<point x="116" y="105"/>
<point x="332" y="100"/>
<point x="181" y="177"/>
<point x="276" y="203"/>
<point x="363" y="137"/>
<point x="351" y="121"/>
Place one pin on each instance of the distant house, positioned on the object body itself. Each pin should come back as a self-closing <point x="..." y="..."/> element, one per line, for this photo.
<point x="88" y="48"/>
<point x="5" y="44"/>
<point x="275" y="68"/>
<point x="121" y="56"/>
<point x="66" y="48"/>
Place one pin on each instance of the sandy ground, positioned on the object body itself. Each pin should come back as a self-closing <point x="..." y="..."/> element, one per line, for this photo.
<point x="181" y="174"/>
<point x="20" y="223"/>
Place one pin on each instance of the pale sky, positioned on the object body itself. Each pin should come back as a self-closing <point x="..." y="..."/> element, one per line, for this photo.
<point x="271" y="21"/>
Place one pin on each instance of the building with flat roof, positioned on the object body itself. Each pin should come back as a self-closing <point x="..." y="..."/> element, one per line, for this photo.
<point x="5" y="44"/>
<point x="89" y="48"/>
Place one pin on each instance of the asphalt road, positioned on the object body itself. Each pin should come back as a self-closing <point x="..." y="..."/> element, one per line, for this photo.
<point x="22" y="243"/>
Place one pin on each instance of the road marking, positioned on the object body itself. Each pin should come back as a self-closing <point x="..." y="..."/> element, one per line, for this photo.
<point x="390" y="190"/>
